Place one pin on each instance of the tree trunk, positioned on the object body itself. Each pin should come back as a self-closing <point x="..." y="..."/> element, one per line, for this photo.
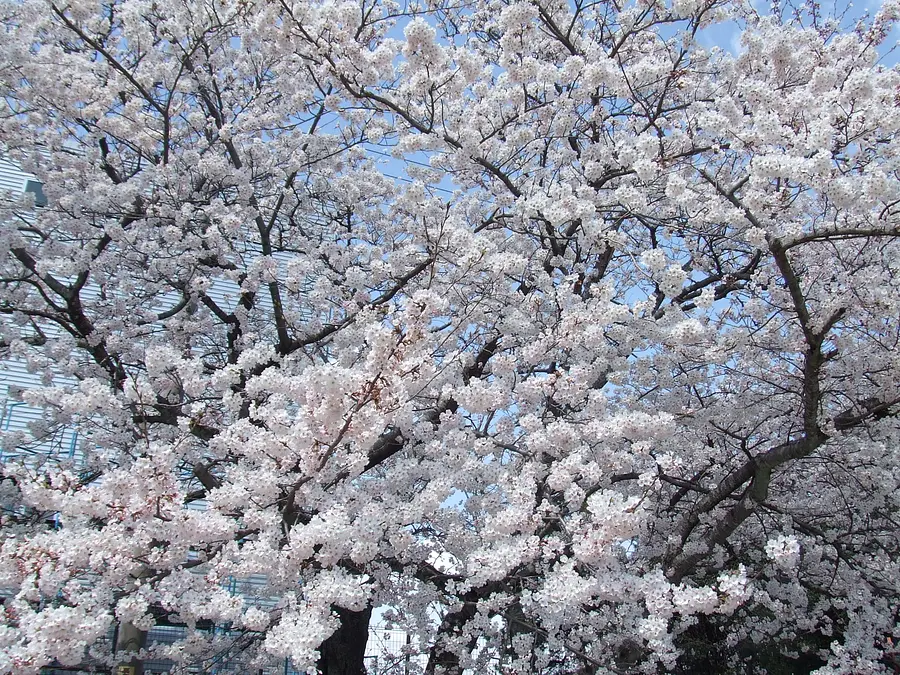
<point x="344" y="652"/>
<point x="444" y="661"/>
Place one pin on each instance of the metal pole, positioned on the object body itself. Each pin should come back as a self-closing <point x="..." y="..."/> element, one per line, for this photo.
<point x="130" y="639"/>
<point x="406" y="664"/>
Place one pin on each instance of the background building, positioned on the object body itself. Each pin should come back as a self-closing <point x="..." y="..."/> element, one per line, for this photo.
<point x="387" y="649"/>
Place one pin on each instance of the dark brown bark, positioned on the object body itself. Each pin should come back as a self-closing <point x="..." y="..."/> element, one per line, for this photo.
<point x="344" y="652"/>
<point x="443" y="661"/>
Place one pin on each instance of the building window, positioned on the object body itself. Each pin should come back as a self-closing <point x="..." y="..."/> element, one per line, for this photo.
<point x="37" y="189"/>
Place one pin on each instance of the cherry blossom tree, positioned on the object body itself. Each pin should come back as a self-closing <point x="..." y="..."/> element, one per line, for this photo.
<point x="604" y="380"/>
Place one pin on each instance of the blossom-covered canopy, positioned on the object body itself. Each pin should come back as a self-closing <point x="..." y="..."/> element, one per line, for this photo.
<point x="568" y="337"/>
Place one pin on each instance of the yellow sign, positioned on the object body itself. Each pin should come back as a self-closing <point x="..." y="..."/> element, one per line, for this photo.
<point x="125" y="670"/>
